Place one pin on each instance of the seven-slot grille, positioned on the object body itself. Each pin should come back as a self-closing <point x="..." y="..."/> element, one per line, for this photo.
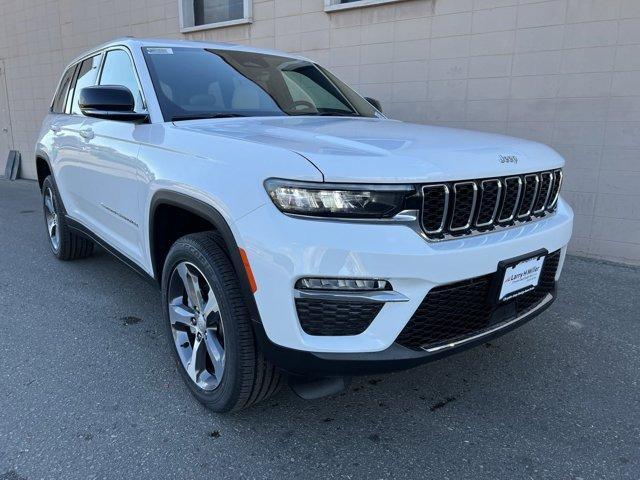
<point x="454" y="209"/>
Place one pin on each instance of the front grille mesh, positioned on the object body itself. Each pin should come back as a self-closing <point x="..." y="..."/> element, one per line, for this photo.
<point x="452" y="312"/>
<point x="455" y="209"/>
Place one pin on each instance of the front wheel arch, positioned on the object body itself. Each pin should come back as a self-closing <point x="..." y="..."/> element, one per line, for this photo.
<point x="211" y="219"/>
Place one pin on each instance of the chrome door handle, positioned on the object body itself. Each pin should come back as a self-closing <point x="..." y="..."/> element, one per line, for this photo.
<point x="55" y="128"/>
<point x="87" y="133"/>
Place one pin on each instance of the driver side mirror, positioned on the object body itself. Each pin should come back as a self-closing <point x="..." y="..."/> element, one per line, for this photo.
<point x="110" y="102"/>
<point x="374" y="103"/>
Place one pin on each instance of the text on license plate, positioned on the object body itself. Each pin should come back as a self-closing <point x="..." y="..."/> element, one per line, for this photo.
<point x="521" y="278"/>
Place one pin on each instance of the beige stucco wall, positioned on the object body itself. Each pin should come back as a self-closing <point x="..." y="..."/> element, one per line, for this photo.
<point x="564" y="72"/>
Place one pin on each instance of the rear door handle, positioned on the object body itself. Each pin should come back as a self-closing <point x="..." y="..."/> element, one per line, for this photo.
<point x="55" y="128"/>
<point x="87" y="133"/>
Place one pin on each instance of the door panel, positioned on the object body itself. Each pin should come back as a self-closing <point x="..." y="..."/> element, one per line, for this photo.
<point x="109" y="178"/>
<point x="67" y="158"/>
<point x="111" y="167"/>
<point x="99" y="166"/>
<point x="72" y="150"/>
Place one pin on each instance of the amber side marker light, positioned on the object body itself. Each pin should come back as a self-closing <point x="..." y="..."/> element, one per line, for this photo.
<point x="247" y="268"/>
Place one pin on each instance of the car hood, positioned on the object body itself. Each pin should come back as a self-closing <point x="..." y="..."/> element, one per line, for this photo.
<point x="381" y="150"/>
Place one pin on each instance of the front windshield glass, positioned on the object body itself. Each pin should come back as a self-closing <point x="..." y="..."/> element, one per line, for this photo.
<point x="203" y="83"/>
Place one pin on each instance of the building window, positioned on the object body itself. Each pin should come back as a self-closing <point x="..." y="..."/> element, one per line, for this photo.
<point x="203" y="14"/>
<point x="336" y="5"/>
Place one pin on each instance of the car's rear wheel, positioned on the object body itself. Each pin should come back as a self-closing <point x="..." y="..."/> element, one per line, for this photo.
<point x="209" y="327"/>
<point x="65" y="244"/>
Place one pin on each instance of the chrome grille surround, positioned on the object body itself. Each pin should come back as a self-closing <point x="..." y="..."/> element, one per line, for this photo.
<point x="505" y="202"/>
<point x="427" y="192"/>
<point x="487" y="204"/>
<point x="458" y="191"/>
<point x="529" y="195"/>
<point x="546" y="181"/>
<point x="555" y="189"/>
<point x="485" y="199"/>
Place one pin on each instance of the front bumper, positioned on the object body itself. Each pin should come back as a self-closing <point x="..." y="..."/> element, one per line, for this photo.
<point x="394" y="358"/>
<point x="283" y="249"/>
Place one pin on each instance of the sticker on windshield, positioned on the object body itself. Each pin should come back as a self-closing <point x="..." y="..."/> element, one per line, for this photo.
<point x="159" y="51"/>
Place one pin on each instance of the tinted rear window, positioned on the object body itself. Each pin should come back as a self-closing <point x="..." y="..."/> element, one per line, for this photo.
<point x="61" y="94"/>
<point x="86" y="77"/>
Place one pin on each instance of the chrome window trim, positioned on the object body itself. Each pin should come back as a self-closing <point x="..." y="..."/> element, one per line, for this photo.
<point x="143" y="98"/>
<point x="517" y="203"/>
<point x="102" y="50"/>
<point x="473" y="205"/>
<point x="445" y="212"/>
<point x="495" y="208"/>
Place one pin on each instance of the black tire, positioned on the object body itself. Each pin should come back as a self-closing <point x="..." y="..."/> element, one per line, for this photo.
<point x="248" y="377"/>
<point x="68" y="244"/>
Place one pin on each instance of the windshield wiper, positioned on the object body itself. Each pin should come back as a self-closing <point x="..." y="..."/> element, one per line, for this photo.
<point x="324" y="114"/>
<point x="337" y="114"/>
<point x="200" y="116"/>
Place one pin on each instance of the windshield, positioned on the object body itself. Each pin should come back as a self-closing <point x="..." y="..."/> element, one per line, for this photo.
<point x="203" y="83"/>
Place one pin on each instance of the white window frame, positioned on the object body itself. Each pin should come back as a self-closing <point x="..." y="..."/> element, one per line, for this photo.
<point x="336" y="6"/>
<point x="246" y="18"/>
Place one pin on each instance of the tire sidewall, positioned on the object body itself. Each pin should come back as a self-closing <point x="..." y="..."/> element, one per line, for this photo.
<point x="49" y="185"/>
<point x="224" y="396"/>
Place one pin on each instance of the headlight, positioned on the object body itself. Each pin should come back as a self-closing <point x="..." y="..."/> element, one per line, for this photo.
<point x="338" y="200"/>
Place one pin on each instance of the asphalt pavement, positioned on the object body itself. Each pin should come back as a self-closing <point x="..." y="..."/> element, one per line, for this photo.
<point x="88" y="388"/>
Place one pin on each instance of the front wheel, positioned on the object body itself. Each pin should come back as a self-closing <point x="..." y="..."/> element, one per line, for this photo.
<point x="210" y="327"/>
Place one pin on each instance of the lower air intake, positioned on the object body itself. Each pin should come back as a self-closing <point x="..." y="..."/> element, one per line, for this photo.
<point x="453" y="312"/>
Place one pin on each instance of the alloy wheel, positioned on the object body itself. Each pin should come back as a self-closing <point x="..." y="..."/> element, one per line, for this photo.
<point x="196" y="325"/>
<point x="51" y="217"/>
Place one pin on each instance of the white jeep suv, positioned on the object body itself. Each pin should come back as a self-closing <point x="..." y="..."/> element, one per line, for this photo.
<point x="292" y="227"/>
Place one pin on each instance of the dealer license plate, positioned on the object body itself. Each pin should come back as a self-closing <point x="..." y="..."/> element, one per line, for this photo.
<point x="521" y="278"/>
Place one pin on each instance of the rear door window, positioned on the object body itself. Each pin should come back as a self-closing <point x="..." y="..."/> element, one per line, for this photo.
<point x="61" y="95"/>
<point x="87" y="75"/>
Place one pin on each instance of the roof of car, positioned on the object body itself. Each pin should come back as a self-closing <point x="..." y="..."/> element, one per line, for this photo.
<point x="133" y="42"/>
